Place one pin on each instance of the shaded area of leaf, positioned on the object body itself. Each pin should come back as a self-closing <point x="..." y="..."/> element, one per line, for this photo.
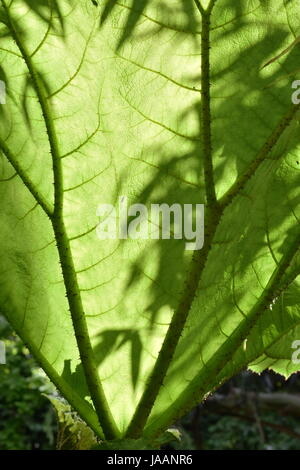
<point x="138" y="11"/>
<point x="45" y="10"/>
<point x="169" y="278"/>
<point x="111" y="340"/>
<point x="76" y="379"/>
<point x="42" y="8"/>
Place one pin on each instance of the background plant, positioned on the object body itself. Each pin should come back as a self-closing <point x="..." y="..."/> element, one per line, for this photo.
<point x="27" y="421"/>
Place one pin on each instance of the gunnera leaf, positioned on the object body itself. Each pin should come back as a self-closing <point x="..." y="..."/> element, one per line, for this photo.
<point x="159" y="102"/>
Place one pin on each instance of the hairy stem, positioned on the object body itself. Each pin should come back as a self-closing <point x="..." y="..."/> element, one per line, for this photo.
<point x="212" y="220"/>
<point x="81" y="330"/>
<point x="82" y="407"/>
<point x="260" y="158"/>
<point x="65" y="255"/>
<point x="174" y="331"/>
<point x="26" y="180"/>
<point x="213" y="217"/>
<point x="200" y="7"/>
<point x="198" y="387"/>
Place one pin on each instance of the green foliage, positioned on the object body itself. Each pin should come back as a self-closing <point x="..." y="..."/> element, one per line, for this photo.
<point x="26" y="419"/>
<point x="163" y="101"/>
<point x="227" y="433"/>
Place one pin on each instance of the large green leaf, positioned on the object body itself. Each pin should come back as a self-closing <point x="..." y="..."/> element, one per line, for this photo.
<point x="113" y="99"/>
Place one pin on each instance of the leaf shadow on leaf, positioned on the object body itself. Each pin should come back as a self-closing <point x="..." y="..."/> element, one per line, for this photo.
<point x="45" y="9"/>
<point x="109" y="341"/>
<point x="172" y="188"/>
<point x="76" y="379"/>
<point x="114" y="340"/>
<point x="235" y="120"/>
<point x="48" y="11"/>
<point x="240" y="237"/>
<point x="137" y="13"/>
